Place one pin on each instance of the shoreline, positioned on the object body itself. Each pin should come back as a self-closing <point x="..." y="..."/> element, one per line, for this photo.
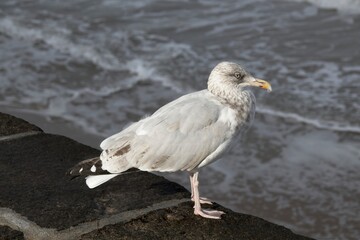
<point x="54" y="127"/>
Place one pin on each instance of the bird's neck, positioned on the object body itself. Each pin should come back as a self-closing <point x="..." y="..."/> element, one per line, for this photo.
<point x="232" y="95"/>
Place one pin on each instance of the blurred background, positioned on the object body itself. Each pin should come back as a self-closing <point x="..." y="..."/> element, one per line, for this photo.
<point x="85" y="69"/>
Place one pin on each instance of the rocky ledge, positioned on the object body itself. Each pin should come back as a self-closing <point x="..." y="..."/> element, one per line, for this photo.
<point x="38" y="201"/>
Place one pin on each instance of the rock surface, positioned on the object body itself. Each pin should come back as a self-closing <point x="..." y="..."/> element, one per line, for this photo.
<point x="41" y="202"/>
<point x="180" y="223"/>
<point x="7" y="233"/>
<point x="10" y="125"/>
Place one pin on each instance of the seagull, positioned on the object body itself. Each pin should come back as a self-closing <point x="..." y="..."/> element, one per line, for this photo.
<point x="184" y="135"/>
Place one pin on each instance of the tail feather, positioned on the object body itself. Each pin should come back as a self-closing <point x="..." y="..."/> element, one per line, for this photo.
<point x="87" y="167"/>
<point x="96" y="180"/>
<point x="95" y="175"/>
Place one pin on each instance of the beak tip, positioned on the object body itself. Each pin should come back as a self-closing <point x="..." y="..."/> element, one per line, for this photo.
<point x="263" y="84"/>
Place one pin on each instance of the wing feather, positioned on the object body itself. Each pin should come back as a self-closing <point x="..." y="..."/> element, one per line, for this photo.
<point x="179" y="136"/>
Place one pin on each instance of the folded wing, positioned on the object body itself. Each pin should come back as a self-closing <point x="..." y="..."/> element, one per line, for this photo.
<point x="179" y="136"/>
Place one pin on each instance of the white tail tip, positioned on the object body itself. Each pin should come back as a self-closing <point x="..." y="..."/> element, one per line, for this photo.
<point x="95" y="180"/>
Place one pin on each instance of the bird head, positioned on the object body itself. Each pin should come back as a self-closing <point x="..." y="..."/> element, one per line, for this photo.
<point x="234" y="75"/>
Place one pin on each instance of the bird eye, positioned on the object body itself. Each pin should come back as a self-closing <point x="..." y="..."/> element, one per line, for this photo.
<point x="238" y="75"/>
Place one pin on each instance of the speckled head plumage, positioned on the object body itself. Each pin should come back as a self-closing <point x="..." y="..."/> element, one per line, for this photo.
<point x="234" y="75"/>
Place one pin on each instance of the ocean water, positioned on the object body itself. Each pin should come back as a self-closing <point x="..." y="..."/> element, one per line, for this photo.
<point x="99" y="65"/>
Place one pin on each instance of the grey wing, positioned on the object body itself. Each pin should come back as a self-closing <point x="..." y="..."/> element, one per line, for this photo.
<point x="119" y="139"/>
<point x="179" y="136"/>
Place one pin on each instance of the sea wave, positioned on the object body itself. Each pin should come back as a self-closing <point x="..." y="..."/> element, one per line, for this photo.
<point x="343" y="6"/>
<point x="145" y="70"/>
<point x="318" y="123"/>
<point x="140" y="70"/>
<point x="58" y="40"/>
<point x="136" y="62"/>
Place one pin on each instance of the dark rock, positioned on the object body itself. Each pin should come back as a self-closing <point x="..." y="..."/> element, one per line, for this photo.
<point x="7" y="233"/>
<point x="180" y="223"/>
<point x="11" y="125"/>
<point x="33" y="184"/>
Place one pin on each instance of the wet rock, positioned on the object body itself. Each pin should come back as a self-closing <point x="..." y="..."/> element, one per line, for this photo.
<point x="12" y="125"/>
<point x="36" y="165"/>
<point x="180" y="223"/>
<point x="7" y="233"/>
<point x="38" y="199"/>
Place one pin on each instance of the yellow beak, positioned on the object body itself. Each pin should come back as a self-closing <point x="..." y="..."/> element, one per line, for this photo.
<point x="262" y="84"/>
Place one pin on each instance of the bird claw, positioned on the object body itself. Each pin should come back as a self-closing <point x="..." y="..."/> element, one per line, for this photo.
<point x="212" y="214"/>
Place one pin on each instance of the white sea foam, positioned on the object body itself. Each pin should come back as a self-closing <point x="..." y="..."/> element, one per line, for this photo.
<point x="142" y="72"/>
<point x="329" y="125"/>
<point x="137" y="65"/>
<point x="343" y="6"/>
<point x="146" y="71"/>
<point x="58" y="40"/>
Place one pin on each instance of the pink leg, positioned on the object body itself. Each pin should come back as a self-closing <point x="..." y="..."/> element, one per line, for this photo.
<point x="197" y="208"/>
<point x="203" y="200"/>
